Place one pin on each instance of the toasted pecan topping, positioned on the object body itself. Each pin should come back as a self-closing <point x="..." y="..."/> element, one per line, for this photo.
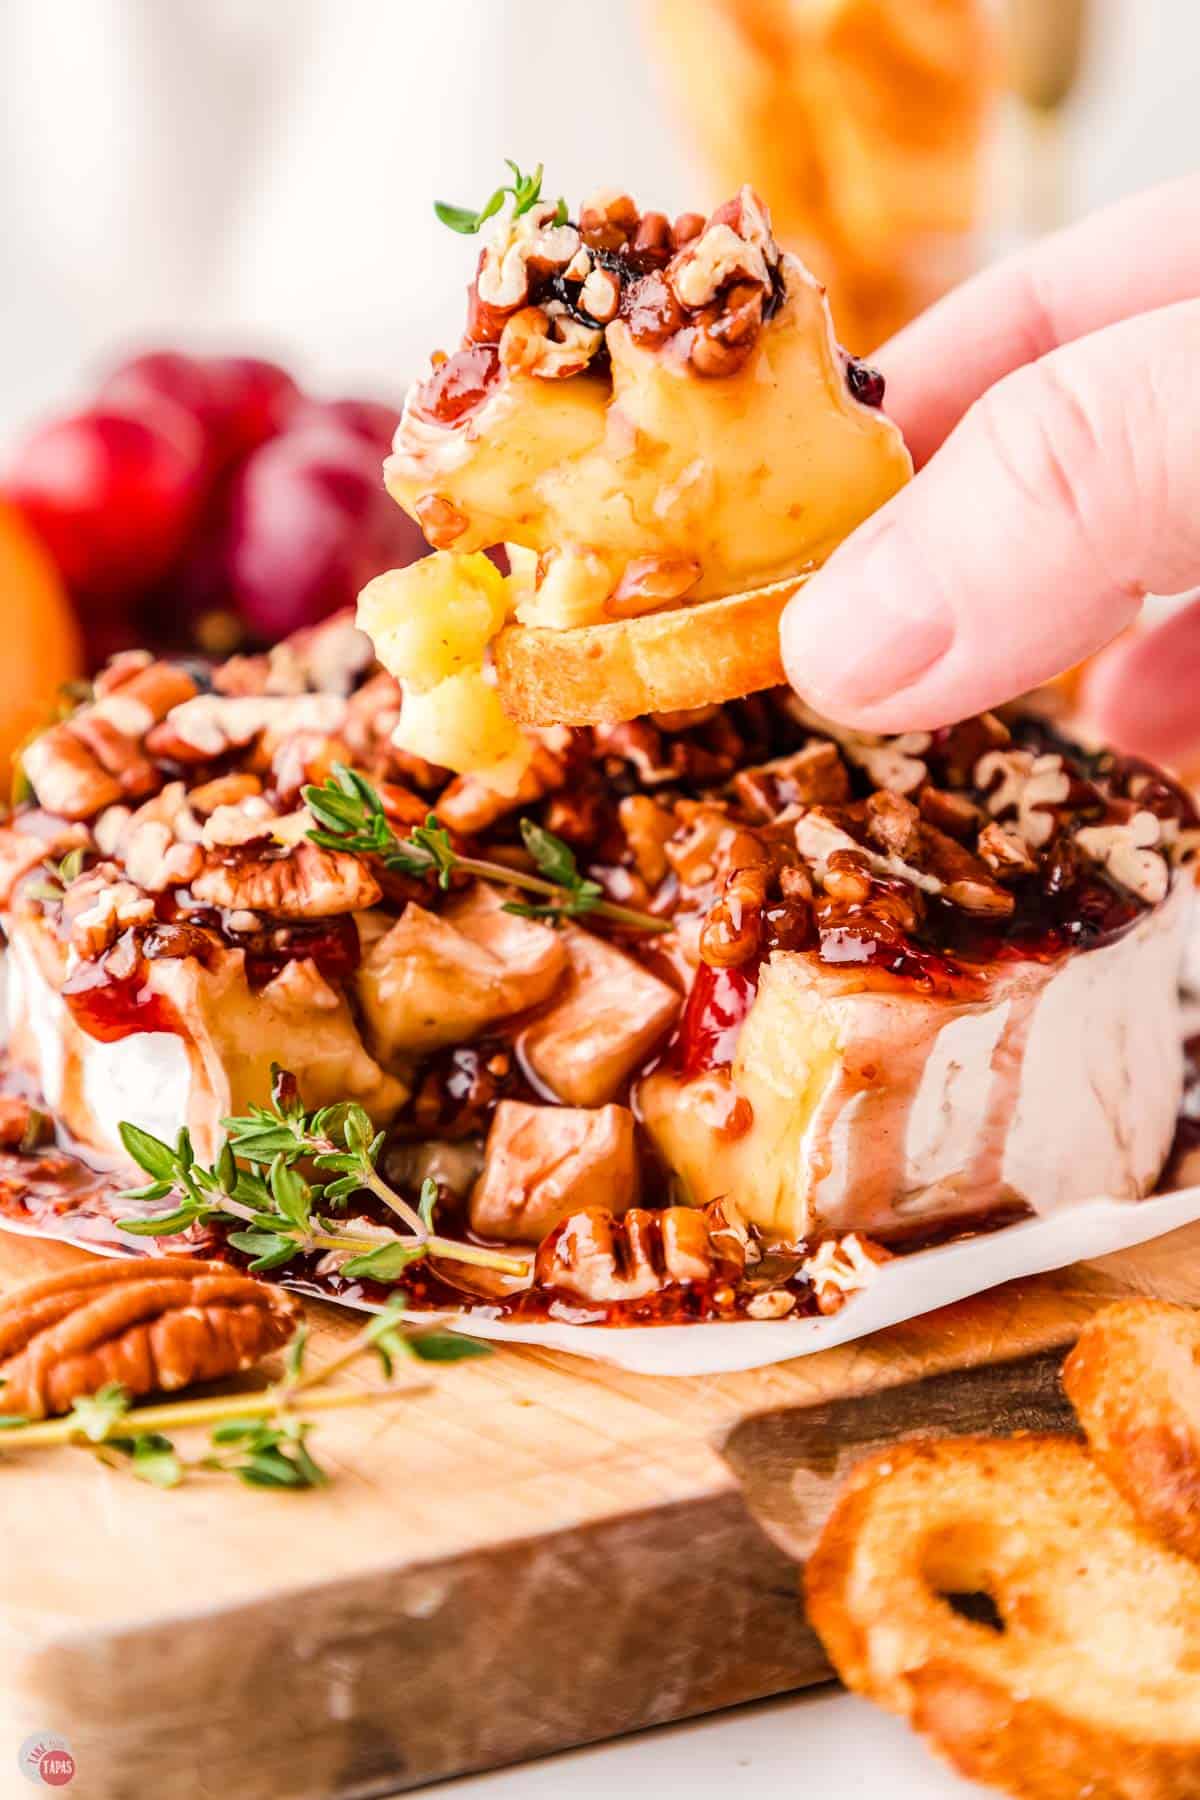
<point x="305" y="883"/>
<point x="1005" y="851"/>
<point x="210" y="725"/>
<point x="97" y="756"/>
<point x="600" y="1257"/>
<point x="1016" y="781"/>
<point x="153" y="1326"/>
<point x="843" y="1266"/>
<point x="1131" y="853"/>
<point x="469" y="806"/>
<point x="545" y="292"/>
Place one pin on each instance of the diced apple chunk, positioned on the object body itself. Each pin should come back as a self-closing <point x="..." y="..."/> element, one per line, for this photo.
<point x="607" y="1018"/>
<point x="545" y="1162"/>
<point x="434" y="980"/>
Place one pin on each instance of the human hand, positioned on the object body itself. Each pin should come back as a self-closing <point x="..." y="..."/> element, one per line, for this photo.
<point x="1052" y="406"/>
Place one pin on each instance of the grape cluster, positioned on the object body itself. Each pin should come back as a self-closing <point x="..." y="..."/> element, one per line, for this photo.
<point x="206" y="501"/>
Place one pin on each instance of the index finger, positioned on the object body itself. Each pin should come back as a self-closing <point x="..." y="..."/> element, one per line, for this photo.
<point x="1131" y="258"/>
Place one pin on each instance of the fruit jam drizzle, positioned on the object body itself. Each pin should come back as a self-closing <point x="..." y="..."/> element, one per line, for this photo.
<point x="734" y="758"/>
<point x="54" y="1192"/>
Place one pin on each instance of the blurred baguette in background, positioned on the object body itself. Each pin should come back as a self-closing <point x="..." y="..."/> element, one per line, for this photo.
<point x="863" y="124"/>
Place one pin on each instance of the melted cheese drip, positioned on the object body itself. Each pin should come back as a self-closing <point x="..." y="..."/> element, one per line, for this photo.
<point x="653" y="487"/>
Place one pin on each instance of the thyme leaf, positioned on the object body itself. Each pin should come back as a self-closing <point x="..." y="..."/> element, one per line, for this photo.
<point x="526" y="191"/>
<point x="276" y="1175"/>
<point x="350" y="817"/>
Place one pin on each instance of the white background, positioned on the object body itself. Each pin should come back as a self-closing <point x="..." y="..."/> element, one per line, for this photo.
<point x="257" y="174"/>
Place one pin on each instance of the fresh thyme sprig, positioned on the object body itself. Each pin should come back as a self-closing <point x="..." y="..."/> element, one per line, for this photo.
<point x="350" y="816"/>
<point x="526" y="191"/>
<point x="257" y="1185"/>
<point x="261" y="1438"/>
<point x="58" y="877"/>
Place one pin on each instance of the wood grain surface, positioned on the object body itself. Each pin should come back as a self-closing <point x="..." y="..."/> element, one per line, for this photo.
<point x="538" y="1552"/>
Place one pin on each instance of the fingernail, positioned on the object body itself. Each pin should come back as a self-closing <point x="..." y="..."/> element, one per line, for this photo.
<point x="867" y="625"/>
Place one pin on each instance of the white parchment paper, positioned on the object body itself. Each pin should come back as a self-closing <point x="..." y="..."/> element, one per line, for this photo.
<point x="902" y="1289"/>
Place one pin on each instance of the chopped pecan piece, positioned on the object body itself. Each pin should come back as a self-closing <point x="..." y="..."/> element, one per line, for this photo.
<point x="372" y="715"/>
<point x="119" y="669"/>
<point x="843" y="1266"/>
<point x="732" y="932"/>
<point x="153" y="1326"/>
<point x="648" y="828"/>
<point x="99" y="907"/>
<point x="964" y="878"/>
<point x="897" y="826"/>
<point x="212" y="724"/>
<point x="603" y="1258"/>
<point x="772" y="1303"/>
<point x="95" y="758"/>
<point x="813" y="776"/>
<point x="894" y="824"/>
<point x="896" y="763"/>
<point x="303" y="757"/>
<point x="1005" y="851"/>
<point x="953" y="813"/>
<point x="1132" y="854"/>
<point x="1027" y="785"/>
<point x="305" y="883"/>
<point x="69" y="777"/>
<point x="225" y="790"/>
<point x="959" y="747"/>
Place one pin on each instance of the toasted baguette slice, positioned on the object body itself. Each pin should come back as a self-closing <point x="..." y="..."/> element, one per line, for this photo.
<point x="659" y="662"/>
<point x="1091" y="1686"/>
<point x="1134" y="1380"/>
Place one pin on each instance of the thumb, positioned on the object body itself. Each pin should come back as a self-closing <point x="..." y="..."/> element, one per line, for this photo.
<point x="1028" y="541"/>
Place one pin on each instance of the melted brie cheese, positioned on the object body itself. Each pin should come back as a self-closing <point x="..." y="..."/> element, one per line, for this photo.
<point x="750" y="477"/>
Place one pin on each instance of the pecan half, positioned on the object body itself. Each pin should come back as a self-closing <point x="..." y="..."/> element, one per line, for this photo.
<point x="153" y="1326"/>
<point x="306" y="883"/>
<point x="96" y="758"/>
<point x="603" y="1258"/>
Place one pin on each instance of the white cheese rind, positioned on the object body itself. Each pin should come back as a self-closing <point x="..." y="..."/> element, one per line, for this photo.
<point x="218" y="1063"/>
<point x="888" y="1111"/>
<point x="145" y="1078"/>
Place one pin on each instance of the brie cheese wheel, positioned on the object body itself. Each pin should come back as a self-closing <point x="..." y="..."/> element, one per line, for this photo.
<point x="214" y="1061"/>
<point x="854" y="1106"/>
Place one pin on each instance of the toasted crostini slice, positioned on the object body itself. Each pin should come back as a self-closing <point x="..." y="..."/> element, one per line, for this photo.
<point x="1134" y="1380"/>
<point x="670" y="661"/>
<point x="1004" y="1598"/>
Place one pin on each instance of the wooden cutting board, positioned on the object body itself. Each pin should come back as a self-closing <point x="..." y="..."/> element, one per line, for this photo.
<point x="539" y="1552"/>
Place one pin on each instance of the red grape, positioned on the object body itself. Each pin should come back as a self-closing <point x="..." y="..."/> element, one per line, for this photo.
<point x="240" y="401"/>
<point x="257" y="400"/>
<point x="309" y="525"/>
<point x="113" y="493"/>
